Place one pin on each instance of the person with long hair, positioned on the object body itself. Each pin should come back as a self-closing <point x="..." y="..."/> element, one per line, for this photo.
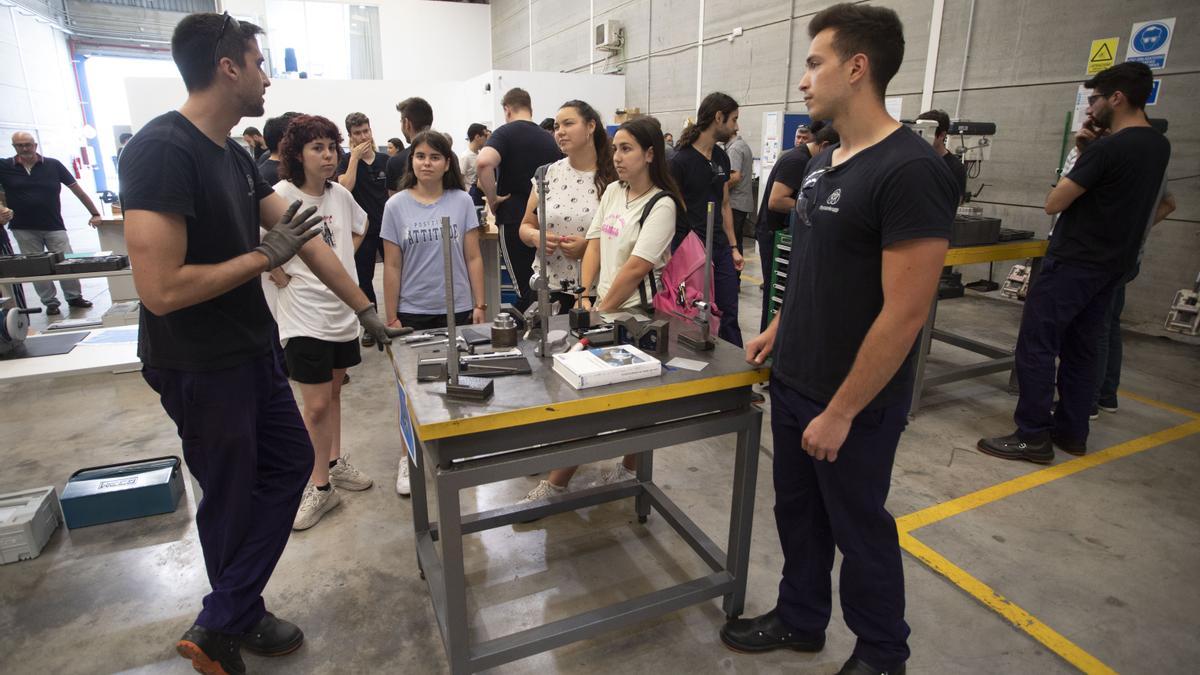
<point x="702" y="170"/>
<point x="319" y="332"/>
<point x="574" y="186"/>
<point x="623" y="248"/>
<point x="414" y="285"/>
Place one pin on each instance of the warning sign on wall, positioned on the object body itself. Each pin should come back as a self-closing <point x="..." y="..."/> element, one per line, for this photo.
<point x="1103" y="54"/>
<point x="1149" y="42"/>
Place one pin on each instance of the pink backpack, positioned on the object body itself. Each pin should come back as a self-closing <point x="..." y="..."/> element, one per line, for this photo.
<point x="682" y="278"/>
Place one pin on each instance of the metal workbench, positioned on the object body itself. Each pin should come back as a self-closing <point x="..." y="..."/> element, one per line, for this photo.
<point x="538" y="422"/>
<point x="999" y="360"/>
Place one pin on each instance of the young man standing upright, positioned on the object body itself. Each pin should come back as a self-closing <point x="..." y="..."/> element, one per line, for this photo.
<point x="1106" y="201"/>
<point x="416" y="115"/>
<point x="194" y="203"/>
<point x="364" y="173"/>
<point x="504" y="172"/>
<point x="873" y="224"/>
<point x="477" y="135"/>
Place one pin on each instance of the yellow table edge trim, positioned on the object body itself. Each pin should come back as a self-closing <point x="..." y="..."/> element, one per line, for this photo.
<point x="1021" y="619"/>
<point x="586" y="406"/>
<point x="969" y="255"/>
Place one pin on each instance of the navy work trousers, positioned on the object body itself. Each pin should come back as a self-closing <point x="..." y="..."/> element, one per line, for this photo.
<point x="820" y="505"/>
<point x="364" y="262"/>
<point x="727" y="281"/>
<point x="245" y="443"/>
<point x="1063" y="318"/>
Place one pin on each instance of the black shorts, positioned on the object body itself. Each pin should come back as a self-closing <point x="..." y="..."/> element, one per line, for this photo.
<point x="312" y="361"/>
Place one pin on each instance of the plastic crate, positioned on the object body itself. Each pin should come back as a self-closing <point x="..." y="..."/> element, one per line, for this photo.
<point x="27" y="519"/>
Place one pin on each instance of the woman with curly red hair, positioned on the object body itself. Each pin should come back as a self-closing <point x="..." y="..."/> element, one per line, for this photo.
<point x="319" y="333"/>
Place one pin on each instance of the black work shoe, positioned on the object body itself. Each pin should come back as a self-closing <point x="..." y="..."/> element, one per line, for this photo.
<point x="211" y="653"/>
<point x="368" y="340"/>
<point x="53" y="310"/>
<point x="80" y="303"/>
<point x="856" y="666"/>
<point x="1077" y="448"/>
<point x="1012" y="447"/>
<point x="766" y="633"/>
<point x="273" y="637"/>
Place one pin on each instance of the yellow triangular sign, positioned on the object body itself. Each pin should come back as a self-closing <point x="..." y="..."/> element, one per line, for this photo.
<point x="1103" y="54"/>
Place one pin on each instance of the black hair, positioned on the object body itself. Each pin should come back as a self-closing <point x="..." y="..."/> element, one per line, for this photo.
<point x="274" y="128"/>
<point x="417" y="111"/>
<point x="606" y="173"/>
<point x="939" y="116"/>
<point x="476" y="129"/>
<point x="251" y="131"/>
<point x="827" y="134"/>
<point x="548" y="124"/>
<point x="816" y="126"/>
<point x="647" y="131"/>
<point x="124" y="138"/>
<point x="452" y="179"/>
<point x="200" y="41"/>
<point x="864" y="29"/>
<point x="397" y="143"/>
<point x="716" y="102"/>
<point x="1131" y="78"/>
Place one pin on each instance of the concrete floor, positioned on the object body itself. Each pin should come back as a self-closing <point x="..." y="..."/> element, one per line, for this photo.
<point x="1106" y="557"/>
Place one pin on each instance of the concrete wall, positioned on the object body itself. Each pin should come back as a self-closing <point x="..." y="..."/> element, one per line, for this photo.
<point x="1026" y="59"/>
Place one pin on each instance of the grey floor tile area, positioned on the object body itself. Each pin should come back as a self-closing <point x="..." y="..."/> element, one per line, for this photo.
<point x="1107" y="557"/>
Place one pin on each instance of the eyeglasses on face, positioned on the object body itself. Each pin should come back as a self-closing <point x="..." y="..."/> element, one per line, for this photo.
<point x="1096" y="97"/>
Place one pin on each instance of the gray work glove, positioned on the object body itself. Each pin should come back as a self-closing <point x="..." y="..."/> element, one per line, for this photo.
<point x="289" y="235"/>
<point x="373" y="325"/>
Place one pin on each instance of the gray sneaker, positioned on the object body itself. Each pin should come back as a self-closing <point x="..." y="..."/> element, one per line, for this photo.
<point x="347" y="476"/>
<point x="614" y="475"/>
<point x="543" y="490"/>
<point x="314" y="504"/>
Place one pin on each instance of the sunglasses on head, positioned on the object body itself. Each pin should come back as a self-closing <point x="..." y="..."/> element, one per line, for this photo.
<point x="229" y="20"/>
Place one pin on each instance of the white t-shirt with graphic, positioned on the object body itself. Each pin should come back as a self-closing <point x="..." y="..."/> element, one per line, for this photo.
<point x="571" y="201"/>
<point x="616" y="226"/>
<point x="306" y="307"/>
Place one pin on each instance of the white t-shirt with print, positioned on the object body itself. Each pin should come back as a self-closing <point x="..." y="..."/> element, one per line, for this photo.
<point x="616" y="226"/>
<point x="306" y="307"/>
<point x="571" y="201"/>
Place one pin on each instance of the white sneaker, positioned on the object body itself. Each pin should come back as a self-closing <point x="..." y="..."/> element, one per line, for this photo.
<point x="402" y="484"/>
<point x="314" y="504"/>
<point x="543" y="490"/>
<point x="614" y="475"/>
<point x="347" y="476"/>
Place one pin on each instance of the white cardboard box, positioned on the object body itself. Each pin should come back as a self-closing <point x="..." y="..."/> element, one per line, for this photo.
<point x="605" y="365"/>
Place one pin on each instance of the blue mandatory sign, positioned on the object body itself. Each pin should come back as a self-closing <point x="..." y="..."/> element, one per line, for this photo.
<point x="1150" y="38"/>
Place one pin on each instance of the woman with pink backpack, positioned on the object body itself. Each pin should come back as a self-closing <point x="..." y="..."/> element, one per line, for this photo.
<point x="626" y="243"/>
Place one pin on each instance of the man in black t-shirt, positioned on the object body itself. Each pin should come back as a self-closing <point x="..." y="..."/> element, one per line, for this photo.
<point x="268" y="164"/>
<point x="873" y="224"/>
<point x="1105" y="202"/>
<point x="939" y="146"/>
<point x="364" y="173"/>
<point x="416" y="115"/>
<point x="778" y="201"/>
<point x="194" y="203"/>
<point x="504" y="171"/>
<point x="701" y="169"/>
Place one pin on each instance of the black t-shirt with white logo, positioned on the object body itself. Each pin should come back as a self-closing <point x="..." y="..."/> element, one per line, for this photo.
<point x="370" y="188"/>
<point x="895" y="190"/>
<point x="702" y="180"/>
<point x="1123" y="174"/>
<point x="523" y="147"/>
<point x="170" y="166"/>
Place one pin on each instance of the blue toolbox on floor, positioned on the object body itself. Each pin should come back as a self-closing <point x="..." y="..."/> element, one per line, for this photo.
<point x="104" y="494"/>
<point x="27" y="519"/>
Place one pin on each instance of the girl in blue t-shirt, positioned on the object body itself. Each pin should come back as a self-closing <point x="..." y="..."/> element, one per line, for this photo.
<point x="414" y="283"/>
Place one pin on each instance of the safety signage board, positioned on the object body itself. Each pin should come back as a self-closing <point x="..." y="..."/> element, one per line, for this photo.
<point x="1149" y="42"/>
<point x="1102" y="55"/>
<point x="1153" y="99"/>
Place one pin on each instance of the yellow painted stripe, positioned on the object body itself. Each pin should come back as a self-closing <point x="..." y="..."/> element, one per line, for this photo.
<point x="587" y="406"/>
<point x="751" y="280"/>
<point x="1029" y="248"/>
<point x="1018" y="617"/>
<point x="1159" y="404"/>
<point x="1008" y="488"/>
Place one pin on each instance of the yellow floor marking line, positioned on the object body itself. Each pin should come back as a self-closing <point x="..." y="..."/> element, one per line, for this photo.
<point x="933" y="514"/>
<point x="1018" y="617"/>
<point x="1153" y="402"/>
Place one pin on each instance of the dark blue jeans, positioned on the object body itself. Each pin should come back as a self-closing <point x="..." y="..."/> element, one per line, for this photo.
<point x="245" y="443"/>
<point x="727" y="281"/>
<point x="820" y="505"/>
<point x="1110" y="352"/>
<point x="1063" y="319"/>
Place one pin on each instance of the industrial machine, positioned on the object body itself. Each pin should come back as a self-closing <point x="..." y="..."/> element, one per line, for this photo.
<point x="14" y="326"/>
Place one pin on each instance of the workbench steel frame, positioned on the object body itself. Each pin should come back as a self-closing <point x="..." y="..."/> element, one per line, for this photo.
<point x="454" y="463"/>
<point x="999" y="360"/>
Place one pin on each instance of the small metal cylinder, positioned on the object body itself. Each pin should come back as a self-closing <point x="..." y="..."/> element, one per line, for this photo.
<point x="504" y="332"/>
